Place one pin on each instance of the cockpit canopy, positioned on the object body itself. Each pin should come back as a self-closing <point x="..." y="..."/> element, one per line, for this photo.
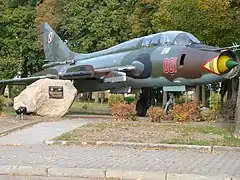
<point x="158" y="39"/>
<point x="170" y="37"/>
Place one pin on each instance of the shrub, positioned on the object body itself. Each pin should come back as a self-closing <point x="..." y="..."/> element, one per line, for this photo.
<point x="215" y="103"/>
<point x="208" y="114"/>
<point x="123" y="111"/>
<point x="156" y="114"/>
<point x="5" y="102"/>
<point x="130" y="99"/>
<point x="16" y="90"/>
<point x="188" y="111"/>
<point x="2" y="101"/>
<point x="8" y="102"/>
<point x="115" y="98"/>
<point x="180" y="100"/>
<point x="229" y="110"/>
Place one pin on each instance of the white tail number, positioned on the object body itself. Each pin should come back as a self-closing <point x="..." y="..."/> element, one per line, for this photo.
<point x="50" y="36"/>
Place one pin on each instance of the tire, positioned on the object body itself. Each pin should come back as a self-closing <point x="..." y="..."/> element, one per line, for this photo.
<point x="141" y="108"/>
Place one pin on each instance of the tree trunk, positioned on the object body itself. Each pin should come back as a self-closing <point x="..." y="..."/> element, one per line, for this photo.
<point x="204" y="96"/>
<point x="164" y="101"/>
<point x="97" y="97"/>
<point x="86" y="96"/>
<point x="102" y="96"/>
<point x="197" y="94"/>
<point x="234" y="88"/>
<point x="223" y="92"/>
<point x="237" y="116"/>
<point x="229" y="90"/>
<point x="186" y="96"/>
<point x="2" y="89"/>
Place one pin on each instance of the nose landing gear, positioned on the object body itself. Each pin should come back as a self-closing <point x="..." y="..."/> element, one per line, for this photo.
<point x="145" y="101"/>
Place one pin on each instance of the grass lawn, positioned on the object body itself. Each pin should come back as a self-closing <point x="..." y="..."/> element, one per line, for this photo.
<point x="89" y="108"/>
<point x="8" y="111"/>
<point x="76" y="108"/>
<point x="197" y="133"/>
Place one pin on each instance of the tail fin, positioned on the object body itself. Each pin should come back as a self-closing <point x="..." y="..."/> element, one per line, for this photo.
<point x="55" y="49"/>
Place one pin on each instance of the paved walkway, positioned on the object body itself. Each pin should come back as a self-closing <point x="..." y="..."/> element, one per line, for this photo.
<point x="38" y="178"/>
<point x="223" y="163"/>
<point x="42" y="131"/>
<point x="42" y="178"/>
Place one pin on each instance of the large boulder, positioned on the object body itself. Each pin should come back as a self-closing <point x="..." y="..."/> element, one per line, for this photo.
<point x="37" y="100"/>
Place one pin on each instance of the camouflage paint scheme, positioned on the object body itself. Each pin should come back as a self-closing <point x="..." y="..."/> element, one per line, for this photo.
<point x="170" y="58"/>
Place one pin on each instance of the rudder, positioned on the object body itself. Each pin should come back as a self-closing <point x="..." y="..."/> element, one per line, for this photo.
<point x="55" y="49"/>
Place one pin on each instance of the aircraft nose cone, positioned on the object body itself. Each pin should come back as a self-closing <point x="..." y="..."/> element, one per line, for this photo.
<point x="225" y="64"/>
<point x="231" y="64"/>
<point x="221" y="65"/>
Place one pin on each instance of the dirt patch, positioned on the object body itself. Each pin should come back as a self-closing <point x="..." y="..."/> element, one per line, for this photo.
<point x="145" y="132"/>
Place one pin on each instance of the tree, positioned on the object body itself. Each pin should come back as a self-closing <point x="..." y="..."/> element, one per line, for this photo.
<point x="140" y="19"/>
<point x="199" y="17"/>
<point x="90" y="25"/>
<point x="48" y="11"/>
<point x="18" y="51"/>
<point x="237" y="116"/>
<point x="19" y="41"/>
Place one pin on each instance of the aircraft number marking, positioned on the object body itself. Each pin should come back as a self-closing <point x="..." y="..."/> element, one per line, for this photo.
<point x="170" y="65"/>
<point x="166" y="50"/>
<point x="50" y="35"/>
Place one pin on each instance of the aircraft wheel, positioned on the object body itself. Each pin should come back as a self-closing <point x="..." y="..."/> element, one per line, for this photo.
<point x="141" y="108"/>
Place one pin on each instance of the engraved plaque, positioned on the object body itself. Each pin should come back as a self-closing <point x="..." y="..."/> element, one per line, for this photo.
<point x="55" y="92"/>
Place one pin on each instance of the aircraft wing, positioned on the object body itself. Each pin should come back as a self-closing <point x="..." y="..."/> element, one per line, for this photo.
<point x="109" y="74"/>
<point x="25" y="81"/>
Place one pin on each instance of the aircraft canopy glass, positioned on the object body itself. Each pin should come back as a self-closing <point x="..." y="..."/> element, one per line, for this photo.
<point x="162" y="38"/>
<point x="170" y="37"/>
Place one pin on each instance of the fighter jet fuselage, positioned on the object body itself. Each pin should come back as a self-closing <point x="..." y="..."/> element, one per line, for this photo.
<point x="170" y="58"/>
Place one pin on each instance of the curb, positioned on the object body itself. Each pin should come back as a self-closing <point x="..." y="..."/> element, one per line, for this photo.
<point x="90" y="116"/>
<point x="210" y="149"/>
<point x="102" y="173"/>
<point x="6" y="132"/>
<point x="97" y="116"/>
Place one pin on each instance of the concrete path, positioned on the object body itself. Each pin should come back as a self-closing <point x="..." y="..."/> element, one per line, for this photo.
<point x="41" y="132"/>
<point x="170" y="161"/>
<point x="38" y="178"/>
<point x="44" y="178"/>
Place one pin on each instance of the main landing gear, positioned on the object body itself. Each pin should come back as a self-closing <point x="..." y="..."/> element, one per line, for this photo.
<point x="145" y="101"/>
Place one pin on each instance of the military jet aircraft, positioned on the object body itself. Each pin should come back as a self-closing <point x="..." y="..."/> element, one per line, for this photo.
<point x="170" y="58"/>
